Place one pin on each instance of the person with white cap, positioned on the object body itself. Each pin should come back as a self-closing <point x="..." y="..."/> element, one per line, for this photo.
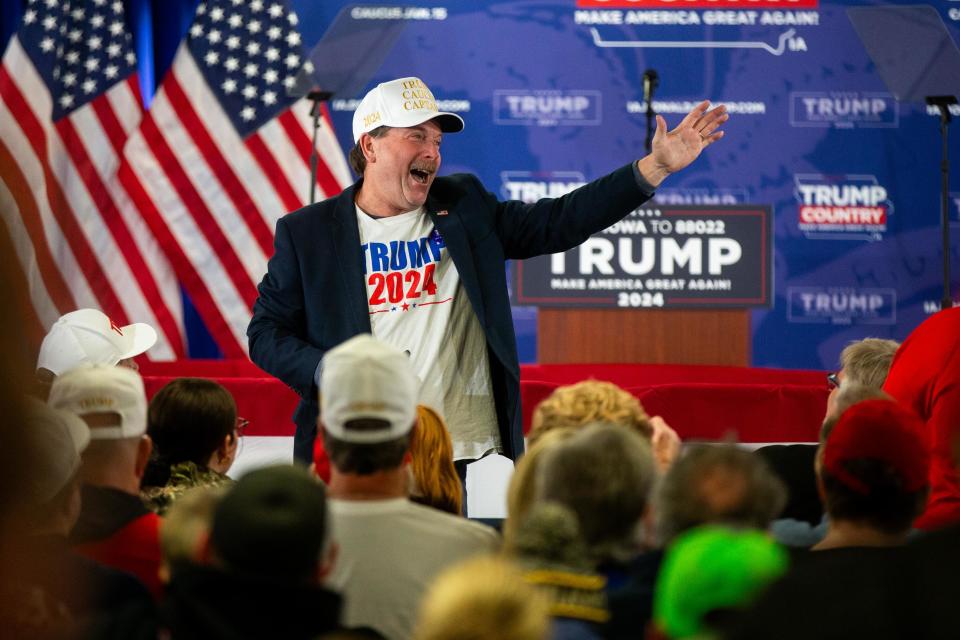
<point x="419" y="261"/>
<point x="114" y="526"/>
<point x="390" y="548"/>
<point x="89" y="336"/>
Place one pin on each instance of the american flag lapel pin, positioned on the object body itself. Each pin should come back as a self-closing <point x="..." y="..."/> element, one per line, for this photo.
<point x="442" y="212"/>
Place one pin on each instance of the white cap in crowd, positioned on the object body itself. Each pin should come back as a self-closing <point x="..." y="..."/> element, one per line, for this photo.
<point x="404" y="102"/>
<point x="104" y="389"/>
<point x="89" y="336"/>
<point x="57" y="439"/>
<point x="366" y="378"/>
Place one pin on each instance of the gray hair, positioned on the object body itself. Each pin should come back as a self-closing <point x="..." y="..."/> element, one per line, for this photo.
<point x="604" y="474"/>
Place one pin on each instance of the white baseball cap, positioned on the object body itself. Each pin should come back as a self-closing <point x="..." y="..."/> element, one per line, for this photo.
<point x="366" y="378"/>
<point x="404" y="102"/>
<point x="57" y="438"/>
<point x="89" y="336"/>
<point x="103" y="389"/>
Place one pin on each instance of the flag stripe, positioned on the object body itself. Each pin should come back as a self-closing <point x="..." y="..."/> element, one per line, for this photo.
<point x="16" y="182"/>
<point x="234" y="150"/>
<point x="115" y="224"/>
<point x="62" y="211"/>
<point x="183" y="228"/>
<point x="70" y="98"/>
<point x="140" y="246"/>
<point x="327" y="143"/>
<point x="330" y="149"/>
<point x="199" y="293"/>
<point x="198" y="209"/>
<point x="153" y="254"/>
<point x="111" y="125"/>
<point x="30" y="322"/>
<point x="275" y="174"/>
<point x="79" y="170"/>
<point x="301" y="142"/>
<point x="232" y="186"/>
<point x="127" y="104"/>
<point x="48" y="231"/>
<point x="296" y="174"/>
<point x="211" y="193"/>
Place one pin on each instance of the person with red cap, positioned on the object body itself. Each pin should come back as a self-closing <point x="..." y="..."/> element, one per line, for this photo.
<point x="872" y="475"/>
<point x="857" y="582"/>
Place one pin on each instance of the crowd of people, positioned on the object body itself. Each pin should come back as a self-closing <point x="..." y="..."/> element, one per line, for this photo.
<point x="126" y="523"/>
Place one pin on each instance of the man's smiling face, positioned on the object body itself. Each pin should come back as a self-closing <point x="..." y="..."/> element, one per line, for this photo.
<point x="401" y="166"/>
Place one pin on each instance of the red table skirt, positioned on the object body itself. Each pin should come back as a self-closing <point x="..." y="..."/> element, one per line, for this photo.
<point x="700" y="402"/>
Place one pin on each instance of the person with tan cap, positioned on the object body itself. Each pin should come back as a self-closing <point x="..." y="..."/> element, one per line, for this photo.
<point x="47" y="586"/>
<point x="419" y="261"/>
<point x="114" y="526"/>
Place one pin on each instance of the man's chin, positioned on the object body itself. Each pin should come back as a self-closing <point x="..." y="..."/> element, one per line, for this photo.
<point x="417" y="194"/>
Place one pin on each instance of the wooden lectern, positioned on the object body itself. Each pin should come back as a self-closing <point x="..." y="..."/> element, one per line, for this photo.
<point x="647" y="336"/>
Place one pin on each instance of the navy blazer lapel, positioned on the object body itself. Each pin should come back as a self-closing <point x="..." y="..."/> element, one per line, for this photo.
<point x="346" y="245"/>
<point x="446" y="219"/>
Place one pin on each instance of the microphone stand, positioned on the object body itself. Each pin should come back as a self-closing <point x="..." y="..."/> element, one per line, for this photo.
<point x="650" y="82"/>
<point x="943" y="104"/>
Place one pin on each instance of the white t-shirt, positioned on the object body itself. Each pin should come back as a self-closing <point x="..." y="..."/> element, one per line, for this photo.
<point x="389" y="553"/>
<point x="417" y="304"/>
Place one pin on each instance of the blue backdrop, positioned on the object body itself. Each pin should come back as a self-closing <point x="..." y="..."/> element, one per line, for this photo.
<point x="551" y="94"/>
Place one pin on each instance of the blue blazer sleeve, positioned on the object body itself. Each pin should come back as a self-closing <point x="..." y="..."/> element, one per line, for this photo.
<point x="552" y="225"/>
<point x="278" y="328"/>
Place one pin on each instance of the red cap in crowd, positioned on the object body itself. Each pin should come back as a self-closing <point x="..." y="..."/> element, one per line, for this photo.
<point x="880" y="430"/>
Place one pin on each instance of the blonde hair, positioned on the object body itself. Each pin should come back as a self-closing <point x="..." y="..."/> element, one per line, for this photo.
<point x="431" y="453"/>
<point x="586" y="402"/>
<point x="522" y="490"/>
<point x="483" y="599"/>
<point x="186" y="526"/>
<point x="868" y="361"/>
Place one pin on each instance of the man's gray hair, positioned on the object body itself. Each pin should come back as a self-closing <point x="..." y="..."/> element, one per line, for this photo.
<point x="358" y="161"/>
<point x="868" y="361"/>
<point x="604" y="473"/>
<point x="718" y="484"/>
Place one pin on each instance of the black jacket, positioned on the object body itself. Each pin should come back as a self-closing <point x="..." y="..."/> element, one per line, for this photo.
<point x="313" y="296"/>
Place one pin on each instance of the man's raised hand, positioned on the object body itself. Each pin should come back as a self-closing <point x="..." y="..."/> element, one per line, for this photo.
<point x="674" y="150"/>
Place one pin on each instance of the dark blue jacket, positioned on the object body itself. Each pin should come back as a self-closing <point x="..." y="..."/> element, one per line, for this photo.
<point x="313" y="296"/>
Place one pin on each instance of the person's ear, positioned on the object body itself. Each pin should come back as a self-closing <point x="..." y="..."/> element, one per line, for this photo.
<point x="228" y="448"/>
<point x="367" y="146"/>
<point x="144" y="448"/>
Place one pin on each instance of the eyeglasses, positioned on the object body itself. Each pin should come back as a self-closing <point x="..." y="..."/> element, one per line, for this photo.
<point x="833" y="381"/>
<point x="240" y="426"/>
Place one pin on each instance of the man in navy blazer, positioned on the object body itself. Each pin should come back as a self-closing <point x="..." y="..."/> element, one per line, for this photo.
<point x="325" y="281"/>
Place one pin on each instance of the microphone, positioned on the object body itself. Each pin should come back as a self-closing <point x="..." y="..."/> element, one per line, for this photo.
<point x="650" y="83"/>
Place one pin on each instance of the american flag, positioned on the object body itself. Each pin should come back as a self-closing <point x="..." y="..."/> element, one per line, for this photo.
<point x="224" y="152"/>
<point x="69" y="100"/>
